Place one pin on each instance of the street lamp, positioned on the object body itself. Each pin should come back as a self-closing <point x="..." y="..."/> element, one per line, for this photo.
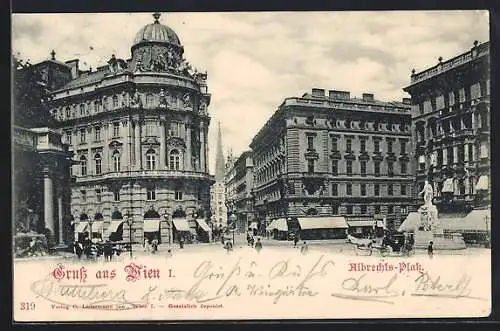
<point x="232" y="218"/>
<point x="90" y="221"/>
<point x="165" y="215"/>
<point x="130" y="221"/>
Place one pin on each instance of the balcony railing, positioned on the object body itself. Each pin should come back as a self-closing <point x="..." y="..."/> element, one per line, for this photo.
<point x="146" y="174"/>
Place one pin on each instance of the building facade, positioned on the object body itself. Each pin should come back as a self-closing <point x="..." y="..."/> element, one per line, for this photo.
<point x="218" y="190"/>
<point x="138" y="129"/>
<point x="451" y="128"/>
<point x="332" y="154"/>
<point x="239" y="190"/>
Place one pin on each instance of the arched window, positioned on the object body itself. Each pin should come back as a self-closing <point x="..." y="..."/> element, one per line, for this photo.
<point x="150" y="160"/>
<point x="98" y="166"/>
<point x="82" y="109"/>
<point x="83" y="165"/>
<point x="115" y="101"/>
<point x="116" y="161"/>
<point x="174" y="160"/>
<point x="150" y="100"/>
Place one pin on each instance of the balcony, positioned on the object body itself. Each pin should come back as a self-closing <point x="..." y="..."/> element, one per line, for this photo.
<point x="146" y="174"/>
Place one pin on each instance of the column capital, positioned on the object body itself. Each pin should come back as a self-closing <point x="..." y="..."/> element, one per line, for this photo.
<point x="46" y="172"/>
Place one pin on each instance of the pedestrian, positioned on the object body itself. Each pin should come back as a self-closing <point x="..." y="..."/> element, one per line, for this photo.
<point x="154" y="245"/>
<point x="304" y="248"/>
<point x="181" y="243"/>
<point x="227" y="247"/>
<point x="108" y="251"/>
<point x="78" y="249"/>
<point x="169" y="253"/>
<point x="146" y="244"/>
<point x="295" y="240"/>
<point x="430" y="249"/>
<point x="258" y="245"/>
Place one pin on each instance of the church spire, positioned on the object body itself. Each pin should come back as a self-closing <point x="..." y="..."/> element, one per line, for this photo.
<point x="219" y="159"/>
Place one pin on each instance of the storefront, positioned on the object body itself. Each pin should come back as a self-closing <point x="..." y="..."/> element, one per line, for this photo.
<point x="151" y="229"/>
<point x="278" y="229"/>
<point x="181" y="229"/>
<point x="323" y="228"/>
<point x="203" y="231"/>
<point x="114" y="232"/>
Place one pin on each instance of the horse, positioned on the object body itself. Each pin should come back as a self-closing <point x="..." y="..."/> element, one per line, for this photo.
<point x="360" y="243"/>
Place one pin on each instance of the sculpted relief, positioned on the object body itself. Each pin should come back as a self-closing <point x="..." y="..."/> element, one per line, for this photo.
<point x="161" y="59"/>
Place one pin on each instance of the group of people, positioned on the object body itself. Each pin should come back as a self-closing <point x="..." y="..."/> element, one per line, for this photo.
<point x="93" y="250"/>
<point x="304" y="248"/>
<point x="151" y="245"/>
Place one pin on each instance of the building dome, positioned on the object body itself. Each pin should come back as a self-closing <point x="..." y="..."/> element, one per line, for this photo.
<point x="156" y="32"/>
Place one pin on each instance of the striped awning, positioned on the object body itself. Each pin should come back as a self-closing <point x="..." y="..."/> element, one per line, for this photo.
<point x="279" y="224"/>
<point x="151" y="225"/>
<point x="181" y="224"/>
<point x="203" y="225"/>
<point x="310" y="223"/>
<point x="81" y="227"/>
<point x="482" y="183"/>
<point x="448" y="186"/>
<point x="362" y="223"/>
<point x="113" y="226"/>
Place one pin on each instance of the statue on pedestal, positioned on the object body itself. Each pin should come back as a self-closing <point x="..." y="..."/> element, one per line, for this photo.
<point x="428" y="211"/>
<point x="163" y="99"/>
<point x="136" y="101"/>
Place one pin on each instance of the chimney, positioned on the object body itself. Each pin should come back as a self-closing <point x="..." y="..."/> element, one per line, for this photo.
<point x="318" y="92"/>
<point x="343" y="95"/>
<point x="407" y="101"/>
<point x="368" y="97"/>
<point x="74" y="68"/>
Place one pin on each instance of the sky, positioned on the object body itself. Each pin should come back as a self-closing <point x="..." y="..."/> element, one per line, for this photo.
<point x="256" y="60"/>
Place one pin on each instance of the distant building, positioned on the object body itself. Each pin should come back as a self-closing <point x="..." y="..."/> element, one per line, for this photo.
<point x="218" y="189"/>
<point x="138" y="129"/>
<point x="323" y="155"/>
<point x="451" y="121"/>
<point x="239" y="190"/>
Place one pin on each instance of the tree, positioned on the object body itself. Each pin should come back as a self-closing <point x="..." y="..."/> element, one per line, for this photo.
<point x="30" y="96"/>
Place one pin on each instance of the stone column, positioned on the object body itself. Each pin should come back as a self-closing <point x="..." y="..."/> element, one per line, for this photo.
<point x="126" y="148"/>
<point x="60" y="218"/>
<point x="205" y="140"/>
<point x="163" y="143"/>
<point x="445" y="156"/>
<point x="466" y="152"/>
<point x="138" y="159"/>
<point x="105" y="150"/>
<point x="455" y="154"/>
<point x="473" y="120"/>
<point x="48" y="201"/>
<point x="189" y="162"/>
<point x="202" y="147"/>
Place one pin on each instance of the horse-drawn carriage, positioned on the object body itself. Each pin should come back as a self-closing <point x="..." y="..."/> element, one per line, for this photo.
<point x="396" y="244"/>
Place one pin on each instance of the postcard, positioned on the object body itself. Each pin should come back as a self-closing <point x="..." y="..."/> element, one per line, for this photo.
<point x="251" y="166"/>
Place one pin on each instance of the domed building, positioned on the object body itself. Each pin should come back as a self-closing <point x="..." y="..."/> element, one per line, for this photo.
<point x="138" y="131"/>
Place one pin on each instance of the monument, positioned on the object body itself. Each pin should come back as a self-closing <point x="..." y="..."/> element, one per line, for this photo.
<point x="426" y="226"/>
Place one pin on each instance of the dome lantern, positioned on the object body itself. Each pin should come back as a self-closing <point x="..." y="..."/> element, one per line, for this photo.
<point x="156" y="16"/>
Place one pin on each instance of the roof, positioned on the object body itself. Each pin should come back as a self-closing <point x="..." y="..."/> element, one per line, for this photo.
<point x="156" y="32"/>
<point x="476" y="220"/>
<point x="308" y="223"/>
<point x="358" y="101"/>
<point x="411" y="223"/>
<point x="87" y="78"/>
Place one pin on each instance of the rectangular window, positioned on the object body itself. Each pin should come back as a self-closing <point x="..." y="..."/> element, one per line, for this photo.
<point x="363" y="189"/>
<point x="97" y="133"/>
<point x="348" y="167"/>
<point x="390" y="209"/>
<point x="376" y="168"/>
<point x="84" y="196"/>
<point x="82" y="136"/>
<point x="116" y="195"/>
<point x="404" y="167"/>
<point x="449" y="155"/>
<point x="178" y="195"/>
<point x="69" y="135"/>
<point x="349" y="209"/>
<point x="377" y="209"/>
<point x="334" y="144"/>
<point x="98" y="195"/>
<point x="471" y="153"/>
<point x="348" y="189"/>
<point x="310" y="165"/>
<point x="389" y="146"/>
<point x="403" y="189"/>
<point x="363" y="168"/>
<point x="151" y="194"/>
<point x="363" y="145"/>
<point x="363" y="209"/>
<point x="390" y="189"/>
<point x="335" y="167"/>
<point x="310" y="142"/>
<point x="376" y="189"/>
<point x="376" y="146"/>
<point x="403" y="147"/>
<point x="348" y="145"/>
<point x="116" y="129"/>
<point x="335" y="189"/>
<point x="390" y="168"/>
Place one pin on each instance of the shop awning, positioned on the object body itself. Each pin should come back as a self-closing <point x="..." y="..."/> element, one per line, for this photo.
<point x="81" y="227"/>
<point x="482" y="183"/>
<point x="476" y="220"/>
<point x="151" y="225"/>
<point x="363" y="223"/>
<point x="279" y="224"/>
<point x="97" y="226"/>
<point x="181" y="224"/>
<point x="113" y="226"/>
<point x="203" y="225"/>
<point x="411" y="223"/>
<point x="253" y="225"/>
<point x="448" y="186"/>
<point x="323" y="223"/>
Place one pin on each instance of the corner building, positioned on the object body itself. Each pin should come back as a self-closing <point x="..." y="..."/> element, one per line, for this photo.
<point x="331" y="154"/>
<point x="138" y="129"/>
<point x="451" y="119"/>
